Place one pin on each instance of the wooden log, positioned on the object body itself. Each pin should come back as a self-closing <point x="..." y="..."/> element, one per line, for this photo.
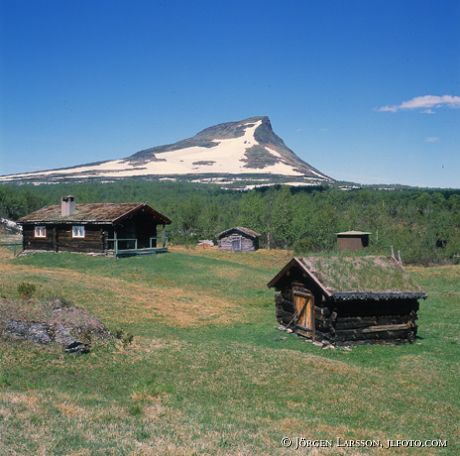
<point x="322" y="313"/>
<point x="284" y="309"/>
<point x="324" y="325"/>
<point x="304" y="332"/>
<point x="376" y="328"/>
<point x="363" y="322"/>
<point x="353" y="335"/>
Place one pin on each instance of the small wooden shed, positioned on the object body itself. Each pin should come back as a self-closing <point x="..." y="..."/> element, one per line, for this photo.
<point x="238" y="239"/>
<point x="115" y="229"/>
<point x="352" y="240"/>
<point x="347" y="299"/>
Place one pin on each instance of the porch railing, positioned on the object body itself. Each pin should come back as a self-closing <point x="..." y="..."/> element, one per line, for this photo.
<point x="126" y="244"/>
<point x="163" y="240"/>
<point x="120" y="244"/>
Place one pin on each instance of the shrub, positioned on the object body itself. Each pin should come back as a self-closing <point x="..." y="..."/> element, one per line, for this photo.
<point x="125" y="337"/>
<point x="26" y="290"/>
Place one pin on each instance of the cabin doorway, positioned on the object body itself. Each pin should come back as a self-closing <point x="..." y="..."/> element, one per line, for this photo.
<point x="236" y="244"/>
<point x="304" y="303"/>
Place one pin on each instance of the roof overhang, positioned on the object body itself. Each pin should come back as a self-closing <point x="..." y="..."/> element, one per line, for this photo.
<point x="296" y="262"/>
<point x="345" y="295"/>
<point x="162" y="218"/>
<point x="64" y="222"/>
<point x="247" y="231"/>
<point x="376" y="296"/>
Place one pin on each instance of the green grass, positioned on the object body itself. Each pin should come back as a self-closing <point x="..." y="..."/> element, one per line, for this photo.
<point x="351" y="272"/>
<point x="209" y="373"/>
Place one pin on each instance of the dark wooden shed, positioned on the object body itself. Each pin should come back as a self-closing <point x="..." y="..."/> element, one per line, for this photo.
<point x="238" y="239"/>
<point x="352" y="240"/>
<point x="347" y="299"/>
<point x="117" y="229"/>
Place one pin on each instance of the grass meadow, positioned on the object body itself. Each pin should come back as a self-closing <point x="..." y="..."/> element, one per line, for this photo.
<point x="209" y="373"/>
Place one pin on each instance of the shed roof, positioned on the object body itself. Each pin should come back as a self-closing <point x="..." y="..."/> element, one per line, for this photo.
<point x="353" y="233"/>
<point x="243" y="229"/>
<point x="356" y="277"/>
<point x="90" y="212"/>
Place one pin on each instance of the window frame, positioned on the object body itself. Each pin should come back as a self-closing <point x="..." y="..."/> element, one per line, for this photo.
<point x="40" y="231"/>
<point x="75" y="231"/>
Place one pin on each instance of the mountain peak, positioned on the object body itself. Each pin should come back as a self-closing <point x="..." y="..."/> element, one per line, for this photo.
<point x="247" y="147"/>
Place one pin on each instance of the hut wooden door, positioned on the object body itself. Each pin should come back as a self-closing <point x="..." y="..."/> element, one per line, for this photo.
<point x="236" y="244"/>
<point x="304" y="303"/>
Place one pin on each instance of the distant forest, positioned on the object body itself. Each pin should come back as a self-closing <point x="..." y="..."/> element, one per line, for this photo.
<point x="423" y="224"/>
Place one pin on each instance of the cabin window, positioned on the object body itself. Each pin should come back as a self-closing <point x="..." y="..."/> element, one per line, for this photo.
<point x="78" y="231"/>
<point x="40" y="232"/>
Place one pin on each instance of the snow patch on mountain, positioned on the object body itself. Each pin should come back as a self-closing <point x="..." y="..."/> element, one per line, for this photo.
<point x="234" y="148"/>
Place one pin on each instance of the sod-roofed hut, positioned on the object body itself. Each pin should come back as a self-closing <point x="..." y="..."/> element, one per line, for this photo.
<point x="238" y="239"/>
<point x="118" y="229"/>
<point x="352" y="240"/>
<point x="344" y="299"/>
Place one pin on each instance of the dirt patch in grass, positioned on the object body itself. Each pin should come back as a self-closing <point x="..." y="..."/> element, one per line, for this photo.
<point x="127" y="301"/>
<point x="71" y="410"/>
<point x="260" y="258"/>
<point x="6" y="254"/>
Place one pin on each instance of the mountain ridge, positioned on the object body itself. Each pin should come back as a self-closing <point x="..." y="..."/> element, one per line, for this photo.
<point x="239" y="148"/>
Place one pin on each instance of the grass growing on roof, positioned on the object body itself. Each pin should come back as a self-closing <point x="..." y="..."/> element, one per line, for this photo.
<point x="360" y="273"/>
<point x="208" y="373"/>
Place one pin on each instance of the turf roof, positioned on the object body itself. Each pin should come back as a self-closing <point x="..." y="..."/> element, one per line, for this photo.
<point x="90" y="212"/>
<point x="350" y="277"/>
<point x="243" y="229"/>
<point x="360" y="274"/>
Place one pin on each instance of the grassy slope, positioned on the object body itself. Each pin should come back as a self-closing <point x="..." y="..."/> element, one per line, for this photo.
<point x="208" y="372"/>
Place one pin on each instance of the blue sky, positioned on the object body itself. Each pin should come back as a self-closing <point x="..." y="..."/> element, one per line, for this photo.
<point x="342" y="81"/>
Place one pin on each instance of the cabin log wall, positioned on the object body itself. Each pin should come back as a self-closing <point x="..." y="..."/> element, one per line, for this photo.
<point x="353" y="321"/>
<point x="248" y="244"/>
<point x="376" y="320"/>
<point x="352" y="242"/>
<point x="30" y="242"/>
<point x="92" y="242"/>
<point x="59" y="239"/>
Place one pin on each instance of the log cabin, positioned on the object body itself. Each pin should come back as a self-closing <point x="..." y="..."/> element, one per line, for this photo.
<point x="238" y="239"/>
<point x="347" y="299"/>
<point x="353" y="240"/>
<point x="112" y="229"/>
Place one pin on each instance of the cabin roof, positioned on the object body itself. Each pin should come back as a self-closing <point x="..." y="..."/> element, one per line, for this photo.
<point x="356" y="277"/>
<point x="353" y="233"/>
<point x="90" y="213"/>
<point x="243" y="229"/>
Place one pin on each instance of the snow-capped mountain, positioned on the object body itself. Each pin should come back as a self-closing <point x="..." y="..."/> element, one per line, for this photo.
<point x="247" y="149"/>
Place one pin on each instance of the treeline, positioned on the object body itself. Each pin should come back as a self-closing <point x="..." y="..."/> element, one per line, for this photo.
<point x="423" y="224"/>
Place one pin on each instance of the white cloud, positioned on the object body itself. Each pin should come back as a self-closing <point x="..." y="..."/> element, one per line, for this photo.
<point x="425" y="103"/>
<point x="431" y="139"/>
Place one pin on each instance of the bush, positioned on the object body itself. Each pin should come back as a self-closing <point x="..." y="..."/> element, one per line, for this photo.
<point x="125" y="337"/>
<point x="26" y="290"/>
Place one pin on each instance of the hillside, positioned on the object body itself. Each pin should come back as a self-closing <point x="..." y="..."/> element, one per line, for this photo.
<point x="305" y="219"/>
<point x="247" y="150"/>
<point x="208" y="372"/>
